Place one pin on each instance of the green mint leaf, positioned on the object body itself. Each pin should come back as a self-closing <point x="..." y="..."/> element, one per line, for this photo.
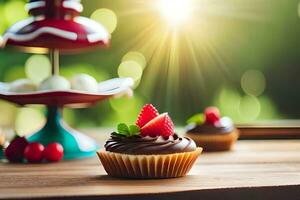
<point x="123" y="129"/>
<point x="134" y="130"/>
<point x="127" y="131"/>
<point x="118" y="134"/>
<point x="196" y="119"/>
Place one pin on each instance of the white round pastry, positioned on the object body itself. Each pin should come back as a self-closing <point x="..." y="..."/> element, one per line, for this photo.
<point x="22" y="86"/>
<point x="55" y="83"/>
<point x="84" y="82"/>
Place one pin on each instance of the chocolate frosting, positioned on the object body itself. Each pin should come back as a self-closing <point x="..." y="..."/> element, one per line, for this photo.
<point x="225" y="126"/>
<point x="138" y="145"/>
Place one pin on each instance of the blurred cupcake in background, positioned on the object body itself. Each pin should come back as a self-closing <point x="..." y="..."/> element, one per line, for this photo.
<point x="211" y="131"/>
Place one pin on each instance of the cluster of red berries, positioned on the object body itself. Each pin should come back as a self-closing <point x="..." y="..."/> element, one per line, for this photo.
<point x="154" y="124"/>
<point x="33" y="152"/>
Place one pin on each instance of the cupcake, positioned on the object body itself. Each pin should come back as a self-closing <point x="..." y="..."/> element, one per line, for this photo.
<point x="211" y="131"/>
<point x="149" y="149"/>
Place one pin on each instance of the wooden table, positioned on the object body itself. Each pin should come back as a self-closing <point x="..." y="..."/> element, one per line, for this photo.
<point x="267" y="169"/>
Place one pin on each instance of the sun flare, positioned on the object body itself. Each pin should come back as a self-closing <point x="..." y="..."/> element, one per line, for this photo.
<point x="185" y="42"/>
<point x="175" y="11"/>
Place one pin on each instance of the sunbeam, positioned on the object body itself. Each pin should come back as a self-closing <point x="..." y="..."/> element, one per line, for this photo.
<point x="183" y="41"/>
<point x="175" y="11"/>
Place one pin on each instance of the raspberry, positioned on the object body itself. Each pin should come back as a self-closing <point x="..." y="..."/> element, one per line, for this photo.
<point x="15" y="150"/>
<point x="212" y="115"/>
<point x="148" y="113"/>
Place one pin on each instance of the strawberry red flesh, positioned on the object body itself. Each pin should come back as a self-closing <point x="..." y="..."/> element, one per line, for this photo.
<point x="148" y="113"/>
<point x="161" y="125"/>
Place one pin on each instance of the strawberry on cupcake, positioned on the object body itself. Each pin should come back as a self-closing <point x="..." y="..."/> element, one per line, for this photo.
<point x="211" y="131"/>
<point x="148" y="149"/>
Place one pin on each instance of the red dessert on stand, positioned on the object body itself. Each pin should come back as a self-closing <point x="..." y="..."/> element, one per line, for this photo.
<point x="56" y="25"/>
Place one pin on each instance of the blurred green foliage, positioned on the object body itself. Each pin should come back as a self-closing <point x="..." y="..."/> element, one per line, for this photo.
<point x="259" y="35"/>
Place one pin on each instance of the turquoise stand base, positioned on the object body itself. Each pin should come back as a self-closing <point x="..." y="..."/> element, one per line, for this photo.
<point x="76" y="145"/>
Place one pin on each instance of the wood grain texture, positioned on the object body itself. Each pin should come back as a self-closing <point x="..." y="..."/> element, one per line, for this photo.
<point x="253" y="170"/>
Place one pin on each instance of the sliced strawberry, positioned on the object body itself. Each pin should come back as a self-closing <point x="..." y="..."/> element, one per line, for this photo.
<point x="161" y="125"/>
<point x="212" y="115"/>
<point x="148" y="113"/>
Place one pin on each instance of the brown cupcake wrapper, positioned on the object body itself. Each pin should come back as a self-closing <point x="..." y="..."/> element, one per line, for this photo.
<point x="148" y="166"/>
<point x="215" y="142"/>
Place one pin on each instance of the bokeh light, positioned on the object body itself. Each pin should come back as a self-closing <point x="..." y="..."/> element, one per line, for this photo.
<point x="268" y="109"/>
<point x="135" y="56"/>
<point x="14" y="11"/>
<point x="38" y="68"/>
<point x="7" y="114"/>
<point x="130" y="62"/>
<point x="29" y="120"/>
<point x="124" y="104"/>
<point x="228" y="100"/>
<point x="124" y="110"/>
<point x="130" y="69"/>
<point x="253" y="82"/>
<point x="136" y="83"/>
<point x="107" y="18"/>
<point x="249" y="108"/>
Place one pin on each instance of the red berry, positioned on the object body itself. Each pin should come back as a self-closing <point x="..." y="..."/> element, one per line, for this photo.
<point x="34" y="152"/>
<point x="148" y="113"/>
<point x="212" y="115"/>
<point x="15" y="150"/>
<point x="54" y="152"/>
<point x="162" y="125"/>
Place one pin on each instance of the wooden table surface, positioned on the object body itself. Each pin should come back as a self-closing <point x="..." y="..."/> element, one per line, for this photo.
<point x="264" y="169"/>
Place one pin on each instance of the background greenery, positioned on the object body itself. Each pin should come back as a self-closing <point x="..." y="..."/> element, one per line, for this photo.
<point x="242" y="56"/>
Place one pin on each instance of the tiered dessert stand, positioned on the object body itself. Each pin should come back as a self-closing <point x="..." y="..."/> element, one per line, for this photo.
<point x="55" y="26"/>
